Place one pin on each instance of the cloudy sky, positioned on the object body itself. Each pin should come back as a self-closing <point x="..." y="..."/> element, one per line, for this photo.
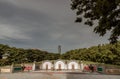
<point x="44" y="24"/>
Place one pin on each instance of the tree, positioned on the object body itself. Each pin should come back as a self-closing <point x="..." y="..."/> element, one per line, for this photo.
<point x="105" y="12"/>
<point x="0" y="54"/>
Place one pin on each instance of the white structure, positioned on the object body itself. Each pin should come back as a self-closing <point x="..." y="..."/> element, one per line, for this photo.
<point x="47" y="65"/>
<point x="61" y="65"/>
<point x="33" y="67"/>
<point x="73" y="65"/>
<point x="82" y="66"/>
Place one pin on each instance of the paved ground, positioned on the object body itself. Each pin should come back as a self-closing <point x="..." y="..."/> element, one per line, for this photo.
<point x="39" y="75"/>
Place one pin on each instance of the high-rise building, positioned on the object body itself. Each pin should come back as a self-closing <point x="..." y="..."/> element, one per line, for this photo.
<point x="59" y="49"/>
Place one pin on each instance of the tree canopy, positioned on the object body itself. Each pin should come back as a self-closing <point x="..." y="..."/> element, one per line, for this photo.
<point x="104" y="14"/>
<point x="9" y="55"/>
<point x="107" y="53"/>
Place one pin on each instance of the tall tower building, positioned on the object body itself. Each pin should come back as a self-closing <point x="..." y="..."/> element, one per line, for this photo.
<point x="59" y="49"/>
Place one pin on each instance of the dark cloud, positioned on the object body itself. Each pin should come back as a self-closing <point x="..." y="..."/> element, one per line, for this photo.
<point x="43" y="24"/>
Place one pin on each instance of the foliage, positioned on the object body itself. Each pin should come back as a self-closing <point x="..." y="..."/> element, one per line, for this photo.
<point x="106" y="53"/>
<point x="104" y="14"/>
<point x="19" y="55"/>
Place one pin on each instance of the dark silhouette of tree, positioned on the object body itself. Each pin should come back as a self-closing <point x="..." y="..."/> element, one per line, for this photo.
<point x="104" y="14"/>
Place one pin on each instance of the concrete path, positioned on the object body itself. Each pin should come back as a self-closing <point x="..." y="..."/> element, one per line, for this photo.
<point x="57" y="76"/>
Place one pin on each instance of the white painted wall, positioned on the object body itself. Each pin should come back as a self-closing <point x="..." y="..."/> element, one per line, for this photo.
<point x="33" y="67"/>
<point x="82" y="66"/>
<point x="3" y="70"/>
<point x="76" y="66"/>
<point x="47" y="63"/>
<point x="63" y="66"/>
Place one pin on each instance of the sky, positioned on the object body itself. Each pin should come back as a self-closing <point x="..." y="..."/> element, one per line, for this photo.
<point x="44" y="24"/>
